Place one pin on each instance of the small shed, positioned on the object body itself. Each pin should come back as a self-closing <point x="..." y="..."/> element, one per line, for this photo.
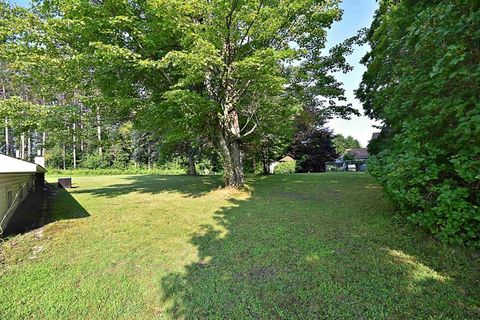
<point x="17" y="179"/>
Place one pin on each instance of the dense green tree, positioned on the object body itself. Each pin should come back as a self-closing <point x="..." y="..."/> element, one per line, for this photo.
<point x="230" y="74"/>
<point x="49" y="99"/>
<point x="312" y="148"/>
<point x="423" y="82"/>
<point x="342" y="144"/>
<point x="221" y="66"/>
<point x="312" y="143"/>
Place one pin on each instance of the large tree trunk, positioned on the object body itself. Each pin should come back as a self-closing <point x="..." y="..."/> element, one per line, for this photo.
<point x="228" y="132"/>
<point x="225" y="153"/>
<point x="236" y="171"/>
<point x="232" y="158"/>
<point x="229" y="135"/>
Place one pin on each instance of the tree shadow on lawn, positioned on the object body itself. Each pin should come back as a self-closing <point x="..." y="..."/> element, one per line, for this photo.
<point x="320" y="257"/>
<point x="188" y="186"/>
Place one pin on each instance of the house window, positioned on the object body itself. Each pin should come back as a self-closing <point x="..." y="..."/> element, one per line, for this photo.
<point x="9" y="198"/>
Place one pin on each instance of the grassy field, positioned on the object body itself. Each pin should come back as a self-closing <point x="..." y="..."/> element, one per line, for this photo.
<point x="294" y="247"/>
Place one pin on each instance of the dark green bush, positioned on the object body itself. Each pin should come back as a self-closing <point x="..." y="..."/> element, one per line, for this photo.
<point x="423" y="81"/>
<point x="95" y="161"/>
<point x="286" y="167"/>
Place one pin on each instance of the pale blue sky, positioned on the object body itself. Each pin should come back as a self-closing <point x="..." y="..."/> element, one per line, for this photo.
<point x="357" y="14"/>
<point x="21" y="2"/>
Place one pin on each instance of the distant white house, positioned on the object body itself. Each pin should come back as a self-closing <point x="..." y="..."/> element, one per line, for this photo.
<point x="17" y="179"/>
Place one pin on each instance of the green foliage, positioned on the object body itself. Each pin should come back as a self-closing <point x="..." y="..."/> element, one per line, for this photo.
<point x="226" y="73"/>
<point x="422" y="82"/>
<point x="95" y="161"/>
<point x="312" y="148"/>
<point x="286" y="167"/>
<point x="173" y="166"/>
<point x="54" y="158"/>
<point x="205" y="166"/>
<point x="342" y="144"/>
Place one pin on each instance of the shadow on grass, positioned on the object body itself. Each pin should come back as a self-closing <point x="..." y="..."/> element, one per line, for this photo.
<point x="43" y="207"/>
<point x="319" y="257"/>
<point x="66" y="207"/>
<point x="188" y="186"/>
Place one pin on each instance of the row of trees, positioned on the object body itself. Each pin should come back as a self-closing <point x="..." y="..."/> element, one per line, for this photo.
<point x="65" y="136"/>
<point x="70" y="136"/>
<point x="423" y="82"/>
<point x="241" y="79"/>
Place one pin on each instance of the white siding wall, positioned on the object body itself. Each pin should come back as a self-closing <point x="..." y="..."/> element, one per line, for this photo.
<point x="20" y="185"/>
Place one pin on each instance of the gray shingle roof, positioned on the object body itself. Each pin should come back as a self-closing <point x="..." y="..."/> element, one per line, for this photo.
<point x="359" y="153"/>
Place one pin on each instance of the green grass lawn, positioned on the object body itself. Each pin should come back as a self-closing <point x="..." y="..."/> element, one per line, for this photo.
<point x="294" y="247"/>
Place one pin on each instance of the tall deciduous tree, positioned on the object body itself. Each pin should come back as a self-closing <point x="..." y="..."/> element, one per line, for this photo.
<point x="343" y="143"/>
<point x="312" y="143"/>
<point x="222" y="66"/>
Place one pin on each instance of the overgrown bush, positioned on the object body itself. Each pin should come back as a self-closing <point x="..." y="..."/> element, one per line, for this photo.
<point x="205" y="166"/>
<point x="423" y="82"/>
<point x="286" y="167"/>
<point x="94" y="161"/>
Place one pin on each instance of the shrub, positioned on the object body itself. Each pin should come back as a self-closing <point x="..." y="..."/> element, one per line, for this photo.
<point x="422" y="80"/>
<point x="205" y="167"/>
<point x="94" y="161"/>
<point x="286" y="167"/>
<point x="54" y="157"/>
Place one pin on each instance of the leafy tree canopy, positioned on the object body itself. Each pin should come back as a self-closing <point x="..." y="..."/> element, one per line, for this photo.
<point x="216" y="69"/>
<point x="343" y="143"/>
